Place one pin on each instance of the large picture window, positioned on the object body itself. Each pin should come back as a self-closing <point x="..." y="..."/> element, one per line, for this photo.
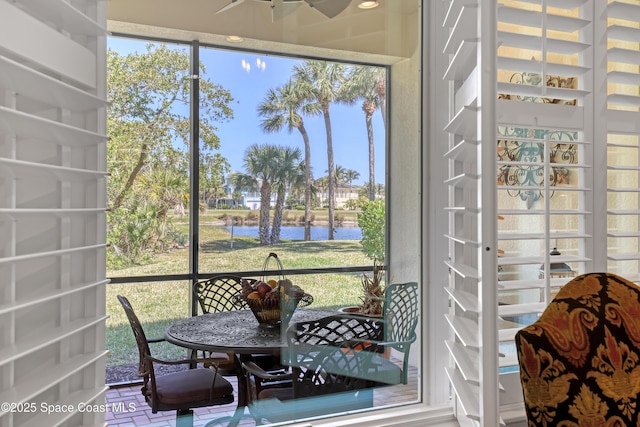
<point x="251" y="151"/>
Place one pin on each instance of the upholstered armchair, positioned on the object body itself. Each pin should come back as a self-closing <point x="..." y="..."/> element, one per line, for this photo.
<point x="580" y="361"/>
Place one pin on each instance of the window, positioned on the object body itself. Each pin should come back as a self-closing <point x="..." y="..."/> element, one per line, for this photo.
<point x="230" y="133"/>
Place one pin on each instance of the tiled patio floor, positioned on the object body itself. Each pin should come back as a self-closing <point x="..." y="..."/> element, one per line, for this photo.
<point x="130" y="410"/>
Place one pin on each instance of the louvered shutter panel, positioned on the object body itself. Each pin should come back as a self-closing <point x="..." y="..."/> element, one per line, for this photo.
<point x="52" y="210"/>
<point x="567" y="141"/>
<point x="622" y="135"/>
<point x="545" y="160"/>
<point x="468" y="51"/>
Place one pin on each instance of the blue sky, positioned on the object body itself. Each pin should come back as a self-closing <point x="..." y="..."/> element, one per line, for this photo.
<point x="248" y="77"/>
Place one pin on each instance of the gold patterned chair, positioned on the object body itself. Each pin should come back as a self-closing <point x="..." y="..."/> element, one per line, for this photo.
<point x="580" y="361"/>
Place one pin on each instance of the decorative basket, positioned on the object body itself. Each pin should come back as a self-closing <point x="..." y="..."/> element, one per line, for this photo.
<point x="275" y="307"/>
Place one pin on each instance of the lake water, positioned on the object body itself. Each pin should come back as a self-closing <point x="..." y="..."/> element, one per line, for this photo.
<point x="297" y="232"/>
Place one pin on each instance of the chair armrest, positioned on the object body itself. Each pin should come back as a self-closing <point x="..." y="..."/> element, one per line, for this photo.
<point x="205" y="360"/>
<point x="258" y="372"/>
<point x="155" y="340"/>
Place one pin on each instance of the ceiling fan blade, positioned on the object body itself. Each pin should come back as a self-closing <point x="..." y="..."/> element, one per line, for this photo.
<point x="233" y="4"/>
<point x="282" y="8"/>
<point x="330" y="8"/>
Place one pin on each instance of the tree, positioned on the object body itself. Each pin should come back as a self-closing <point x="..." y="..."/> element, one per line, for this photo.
<point x="147" y="120"/>
<point x="288" y="172"/>
<point x="213" y="169"/>
<point x="147" y="94"/>
<point x="323" y="80"/>
<point x="351" y="175"/>
<point x="261" y="165"/>
<point x="282" y="107"/>
<point x="367" y="84"/>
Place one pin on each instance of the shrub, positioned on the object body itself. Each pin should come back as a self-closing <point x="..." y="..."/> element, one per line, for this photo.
<point x="372" y="222"/>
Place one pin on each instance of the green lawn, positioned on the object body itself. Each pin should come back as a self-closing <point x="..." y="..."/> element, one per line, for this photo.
<point x="158" y="304"/>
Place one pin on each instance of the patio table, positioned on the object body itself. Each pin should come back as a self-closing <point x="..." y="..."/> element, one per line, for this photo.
<point x="239" y="332"/>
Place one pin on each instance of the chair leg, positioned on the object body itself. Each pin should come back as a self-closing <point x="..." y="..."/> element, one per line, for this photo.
<point x="184" y="418"/>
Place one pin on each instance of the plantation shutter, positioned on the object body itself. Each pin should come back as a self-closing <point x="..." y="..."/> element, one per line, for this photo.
<point x="566" y="147"/>
<point x="622" y="134"/>
<point x="469" y="51"/>
<point x="545" y="153"/>
<point x="52" y="210"/>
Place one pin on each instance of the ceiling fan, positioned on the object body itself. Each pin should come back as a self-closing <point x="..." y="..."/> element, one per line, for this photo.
<point x="281" y="8"/>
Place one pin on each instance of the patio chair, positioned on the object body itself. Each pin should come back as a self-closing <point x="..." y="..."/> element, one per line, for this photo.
<point x="400" y="313"/>
<point x="580" y="361"/>
<point x="334" y="364"/>
<point x="180" y="391"/>
<point x="216" y="294"/>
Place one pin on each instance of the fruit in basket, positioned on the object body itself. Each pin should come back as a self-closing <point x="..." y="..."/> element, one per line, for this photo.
<point x="263" y="289"/>
<point x="272" y="283"/>
<point x="246" y="288"/>
<point x="254" y="295"/>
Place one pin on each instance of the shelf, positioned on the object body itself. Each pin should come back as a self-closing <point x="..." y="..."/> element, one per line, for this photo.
<point x="48" y="296"/>
<point x="19" y="168"/>
<point x="13" y="352"/>
<point x="466" y="27"/>
<point x="619" y="32"/>
<point x="465" y="300"/>
<point x="33" y="84"/>
<point x="541" y="165"/>
<point x="463" y="61"/>
<point x="524" y="41"/>
<point x="534" y="19"/>
<point x="29" y="126"/>
<point x="626" y="11"/>
<point x="38" y="255"/>
<point x="468" y="395"/>
<point x="467" y="361"/>
<point x="64" y="15"/>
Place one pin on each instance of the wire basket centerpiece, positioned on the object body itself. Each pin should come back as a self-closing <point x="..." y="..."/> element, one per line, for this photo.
<point x="272" y="300"/>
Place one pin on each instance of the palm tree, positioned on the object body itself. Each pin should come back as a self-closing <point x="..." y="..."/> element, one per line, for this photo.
<point x="283" y="107"/>
<point x="287" y="172"/>
<point x="260" y="163"/>
<point x="367" y="84"/>
<point x="351" y="175"/>
<point x="323" y="79"/>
